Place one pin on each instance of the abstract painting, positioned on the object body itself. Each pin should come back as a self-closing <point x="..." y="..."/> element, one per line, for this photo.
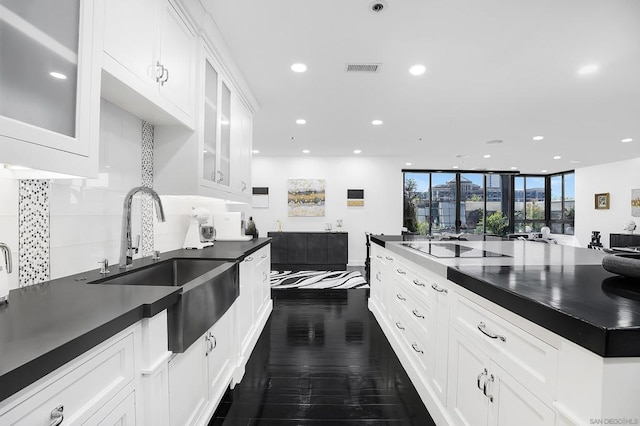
<point x="355" y="197"/>
<point x="306" y="197"/>
<point x="635" y="202"/>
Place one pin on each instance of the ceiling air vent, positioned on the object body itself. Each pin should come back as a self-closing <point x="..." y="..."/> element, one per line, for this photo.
<point x="363" y="67"/>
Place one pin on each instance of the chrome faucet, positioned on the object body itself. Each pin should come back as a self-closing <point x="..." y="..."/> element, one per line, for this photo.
<point x="126" y="248"/>
<point x="7" y="257"/>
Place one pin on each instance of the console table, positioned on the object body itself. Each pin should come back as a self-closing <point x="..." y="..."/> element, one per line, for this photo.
<point x="298" y="251"/>
<point x="624" y="240"/>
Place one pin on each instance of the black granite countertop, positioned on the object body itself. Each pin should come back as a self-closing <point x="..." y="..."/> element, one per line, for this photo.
<point x="47" y="325"/>
<point x="585" y="304"/>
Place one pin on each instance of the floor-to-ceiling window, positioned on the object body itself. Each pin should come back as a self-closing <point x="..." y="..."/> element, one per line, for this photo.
<point x="436" y="202"/>
<point x="563" y="206"/>
<point x="529" y="203"/>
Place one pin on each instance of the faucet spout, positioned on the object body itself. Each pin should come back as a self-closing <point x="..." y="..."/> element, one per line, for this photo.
<point x="7" y="257"/>
<point x="126" y="247"/>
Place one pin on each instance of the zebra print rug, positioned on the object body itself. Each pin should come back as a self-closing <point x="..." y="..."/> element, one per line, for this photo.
<point x="317" y="280"/>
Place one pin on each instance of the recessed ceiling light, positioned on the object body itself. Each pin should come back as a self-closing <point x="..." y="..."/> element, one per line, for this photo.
<point x="513" y="168"/>
<point x="255" y="151"/>
<point x="557" y="157"/>
<point x="417" y="69"/>
<point x="357" y="151"/>
<point x="543" y="171"/>
<point x="301" y="121"/>
<point x="298" y="67"/>
<point x="305" y="151"/>
<point x="487" y="156"/>
<point x="538" y="138"/>
<point x="627" y="140"/>
<point x="408" y="164"/>
<point x="376" y="122"/>
<point x="454" y="167"/>
<point x="588" y="69"/>
<point x="493" y="142"/>
<point x="462" y="156"/>
<point x="58" y="75"/>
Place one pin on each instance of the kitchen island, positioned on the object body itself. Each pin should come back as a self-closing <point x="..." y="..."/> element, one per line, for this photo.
<point x="47" y="327"/>
<point x="542" y="332"/>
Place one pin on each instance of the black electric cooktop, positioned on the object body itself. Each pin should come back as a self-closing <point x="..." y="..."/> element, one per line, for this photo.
<point x="450" y="250"/>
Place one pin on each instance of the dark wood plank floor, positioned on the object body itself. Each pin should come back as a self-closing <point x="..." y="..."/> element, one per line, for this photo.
<point x="322" y="360"/>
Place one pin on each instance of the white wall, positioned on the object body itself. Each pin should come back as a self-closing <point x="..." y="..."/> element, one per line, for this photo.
<point x="381" y="179"/>
<point x="618" y="179"/>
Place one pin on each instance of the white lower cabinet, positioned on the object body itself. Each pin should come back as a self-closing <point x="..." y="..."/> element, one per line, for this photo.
<point x="481" y="392"/>
<point x="95" y="388"/>
<point x="199" y="376"/>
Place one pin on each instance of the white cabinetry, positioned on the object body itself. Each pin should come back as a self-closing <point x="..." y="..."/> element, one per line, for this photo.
<point x="95" y="388"/>
<point x="481" y="392"/>
<point x="149" y="60"/>
<point x="254" y="304"/>
<point x="50" y="85"/>
<point x="219" y="151"/>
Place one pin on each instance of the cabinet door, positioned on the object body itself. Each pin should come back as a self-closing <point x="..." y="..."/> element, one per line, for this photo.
<point x="130" y="36"/>
<point x="513" y="404"/>
<point x="116" y="413"/>
<point x="188" y="376"/>
<point x="210" y="123"/>
<point x="245" y="302"/>
<point x="263" y="275"/>
<point x="279" y="247"/>
<point x="467" y="366"/>
<point x="317" y="249"/>
<point x="241" y="142"/>
<point x="297" y="250"/>
<point x="49" y="85"/>
<point x="218" y="353"/>
<point x="177" y="47"/>
<point x="338" y="248"/>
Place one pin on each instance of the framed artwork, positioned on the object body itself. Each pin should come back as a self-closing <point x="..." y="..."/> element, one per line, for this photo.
<point x="306" y="197"/>
<point x="355" y="197"/>
<point x="635" y="202"/>
<point x="260" y="198"/>
<point x="602" y="201"/>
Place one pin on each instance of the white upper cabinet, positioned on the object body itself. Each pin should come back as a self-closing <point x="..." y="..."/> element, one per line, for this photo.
<point x="215" y="160"/>
<point x="50" y="85"/>
<point x="149" y="60"/>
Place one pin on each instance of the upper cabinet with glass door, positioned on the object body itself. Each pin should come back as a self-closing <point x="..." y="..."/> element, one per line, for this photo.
<point x="50" y="85"/>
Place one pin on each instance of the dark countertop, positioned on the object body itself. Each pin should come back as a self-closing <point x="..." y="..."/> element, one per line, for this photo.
<point x="563" y="289"/>
<point x="585" y="304"/>
<point x="47" y="325"/>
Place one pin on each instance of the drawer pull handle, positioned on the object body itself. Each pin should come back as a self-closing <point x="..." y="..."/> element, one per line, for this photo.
<point x="249" y="259"/>
<point x="388" y="258"/>
<point x="264" y="256"/>
<point x="399" y="296"/>
<point x="418" y="283"/>
<point x="378" y="256"/>
<point x="378" y="276"/>
<point x="417" y="314"/>
<point x="485" y="386"/>
<point x="399" y="325"/>
<point x="483" y="328"/>
<point x="439" y="289"/>
<point x="415" y="348"/>
<point x="401" y="272"/>
<point x="57" y="416"/>
<point x="484" y="373"/>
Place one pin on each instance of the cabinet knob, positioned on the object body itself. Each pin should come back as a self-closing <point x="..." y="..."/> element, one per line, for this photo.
<point x="57" y="416"/>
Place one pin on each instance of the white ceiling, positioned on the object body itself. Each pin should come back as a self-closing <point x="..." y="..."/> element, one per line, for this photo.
<point x="496" y="69"/>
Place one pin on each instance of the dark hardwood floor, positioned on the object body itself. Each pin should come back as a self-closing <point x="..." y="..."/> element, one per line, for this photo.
<point x="322" y="360"/>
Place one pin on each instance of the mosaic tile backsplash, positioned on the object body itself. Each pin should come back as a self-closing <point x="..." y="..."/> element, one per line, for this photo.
<point x="147" y="181"/>
<point x="33" y="231"/>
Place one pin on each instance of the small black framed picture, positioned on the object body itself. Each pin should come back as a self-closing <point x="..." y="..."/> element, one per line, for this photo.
<point x="602" y="201"/>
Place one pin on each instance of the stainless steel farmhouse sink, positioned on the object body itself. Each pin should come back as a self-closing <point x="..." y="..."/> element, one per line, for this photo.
<point x="209" y="288"/>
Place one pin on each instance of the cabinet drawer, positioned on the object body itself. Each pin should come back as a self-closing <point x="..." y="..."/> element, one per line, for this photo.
<point x="530" y="360"/>
<point x="416" y="344"/>
<point x="80" y="389"/>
